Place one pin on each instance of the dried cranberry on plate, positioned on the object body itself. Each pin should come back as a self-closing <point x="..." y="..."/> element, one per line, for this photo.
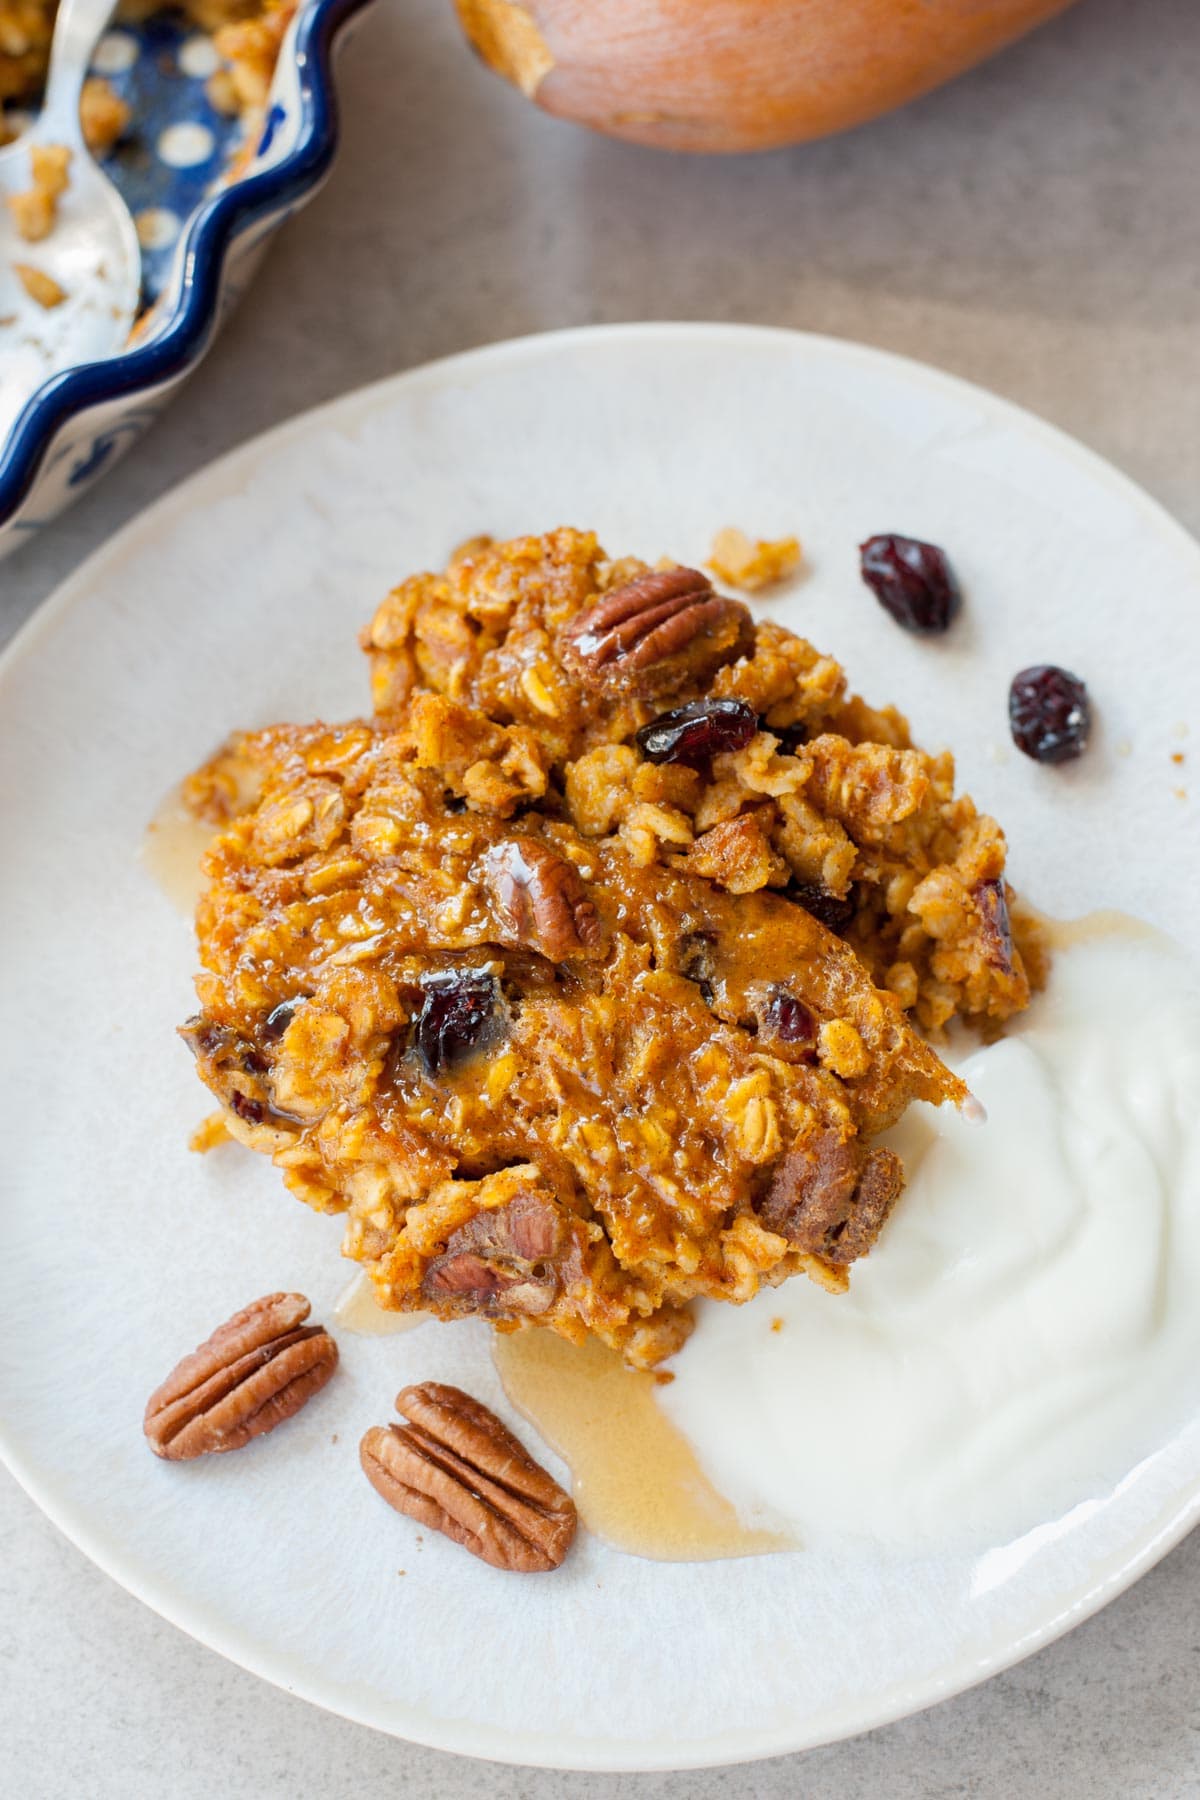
<point x="1049" y="713"/>
<point x="912" y="581"/>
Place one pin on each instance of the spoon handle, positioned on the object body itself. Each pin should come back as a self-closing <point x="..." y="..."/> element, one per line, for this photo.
<point x="77" y="30"/>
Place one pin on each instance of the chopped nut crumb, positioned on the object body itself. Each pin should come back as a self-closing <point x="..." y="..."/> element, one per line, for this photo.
<point x="222" y="93"/>
<point x="251" y="47"/>
<point x="752" y="563"/>
<point x="39" y="286"/>
<point x="103" y="115"/>
<point x="51" y="164"/>
<point x="35" y="210"/>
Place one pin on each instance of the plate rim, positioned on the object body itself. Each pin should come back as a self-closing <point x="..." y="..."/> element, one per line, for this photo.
<point x="555" y="1751"/>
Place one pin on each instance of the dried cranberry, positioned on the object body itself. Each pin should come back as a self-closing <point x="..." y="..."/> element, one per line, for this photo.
<point x="698" y="963"/>
<point x="695" y="733"/>
<point x="831" y="912"/>
<point x="1049" y="713"/>
<point x="912" y="581"/>
<point x="252" y="1111"/>
<point x="789" y="1019"/>
<point x="791" y="737"/>
<point x="280" y="1017"/>
<point x="458" y="1014"/>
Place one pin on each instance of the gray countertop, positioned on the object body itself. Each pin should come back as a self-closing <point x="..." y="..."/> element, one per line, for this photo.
<point x="1033" y="228"/>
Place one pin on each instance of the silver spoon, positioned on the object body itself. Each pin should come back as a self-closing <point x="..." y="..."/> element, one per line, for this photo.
<point x="91" y="255"/>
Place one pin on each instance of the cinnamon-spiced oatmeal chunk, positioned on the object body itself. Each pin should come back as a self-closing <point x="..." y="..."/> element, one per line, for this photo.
<point x="571" y="1028"/>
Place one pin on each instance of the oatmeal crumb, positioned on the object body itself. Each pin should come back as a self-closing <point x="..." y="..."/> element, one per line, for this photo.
<point x="209" y="1133"/>
<point x="471" y="546"/>
<point x="39" y="286"/>
<point x="35" y="210"/>
<point x="103" y="115"/>
<point x="221" y="93"/>
<point x="752" y="563"/>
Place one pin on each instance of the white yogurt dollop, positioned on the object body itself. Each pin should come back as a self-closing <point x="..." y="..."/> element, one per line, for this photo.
<point x="1028" y="1326"/>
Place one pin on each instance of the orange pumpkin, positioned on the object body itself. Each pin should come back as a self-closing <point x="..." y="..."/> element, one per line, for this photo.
<point x="736" y="74"/>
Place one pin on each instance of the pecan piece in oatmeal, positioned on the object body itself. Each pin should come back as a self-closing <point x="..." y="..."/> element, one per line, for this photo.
<point x="578" y="1071"/>
<point x="255" y="1371"/>
<point x="996" y="933"/>
<point x="513" y="1259"/>
<point x="541" y="900"/>
<point x="455" y="1468"/>
<point x="828" y="1200"/>
<point x="665" y="627"/>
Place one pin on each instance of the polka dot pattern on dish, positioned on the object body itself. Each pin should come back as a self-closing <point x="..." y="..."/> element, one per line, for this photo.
<point x="178" y="145"/>
<point x="157" y="227"/>
<point x="116" y="52"/>
<point x="186" y="145"/>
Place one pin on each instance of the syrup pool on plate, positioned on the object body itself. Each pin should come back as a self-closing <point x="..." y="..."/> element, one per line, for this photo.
<point x="635" y="1477"/>
<point x="357" y="1310"/>
<point x="171" y="849"/>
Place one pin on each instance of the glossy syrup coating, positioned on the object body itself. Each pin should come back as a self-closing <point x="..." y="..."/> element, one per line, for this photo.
<point x="557" y="1038"/>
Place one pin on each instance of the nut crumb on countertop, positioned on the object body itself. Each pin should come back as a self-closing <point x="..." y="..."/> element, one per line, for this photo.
<point x="752" y="563"/>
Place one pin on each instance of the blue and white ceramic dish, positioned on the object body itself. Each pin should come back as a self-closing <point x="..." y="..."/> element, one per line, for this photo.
<point x="202" y="241"/>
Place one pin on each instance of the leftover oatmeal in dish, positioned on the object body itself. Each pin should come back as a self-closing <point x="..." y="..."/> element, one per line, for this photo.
<point x="246" y="34"/>
<point x="584" y="975"/>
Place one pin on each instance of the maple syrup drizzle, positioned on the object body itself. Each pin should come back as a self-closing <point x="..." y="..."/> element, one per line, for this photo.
<point x="636" y="1479"/>
<point x="174" y="842"/>
<point x="357" y="1310"/>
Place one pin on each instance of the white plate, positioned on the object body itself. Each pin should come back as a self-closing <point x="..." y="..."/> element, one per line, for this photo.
<point x="237" y="601"/>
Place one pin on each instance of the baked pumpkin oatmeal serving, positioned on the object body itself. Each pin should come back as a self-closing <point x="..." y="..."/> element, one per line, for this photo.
<point x="584" y="976"/>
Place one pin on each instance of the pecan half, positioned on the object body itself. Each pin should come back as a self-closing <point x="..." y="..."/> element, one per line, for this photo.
<point x="540" y="899"/>
<point x="827" y="1200"/>
<point x="878" y="1190"/>
<point x="664" y="629"/>
<point x="457" y="1469"/>
<point x="254" y="1372"/>
<point x="996" y="932"/>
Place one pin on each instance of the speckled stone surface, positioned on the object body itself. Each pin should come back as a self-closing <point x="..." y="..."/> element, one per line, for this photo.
<point x="1032" y="228"/>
